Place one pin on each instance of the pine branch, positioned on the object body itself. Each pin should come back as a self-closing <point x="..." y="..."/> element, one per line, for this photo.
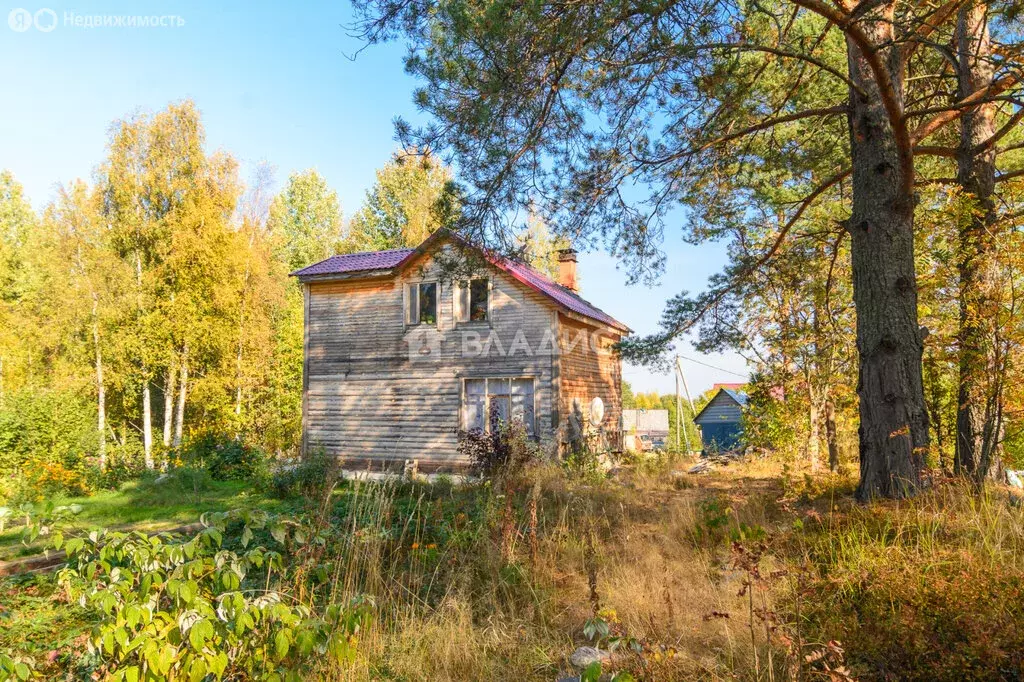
<point x="956" y="110"/>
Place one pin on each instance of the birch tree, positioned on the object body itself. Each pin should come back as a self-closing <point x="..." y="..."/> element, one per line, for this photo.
<point x="170" y="206"/>
<point x="307" y="218"/>
<point x="88" y="286"/>
<point x="413" y="196"/>
<point x="17" y="220"/>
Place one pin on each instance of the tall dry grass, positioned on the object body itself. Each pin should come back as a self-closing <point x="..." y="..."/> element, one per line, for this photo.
<point x="930" y="588"/>
<point x="455" y="603"/>
<point x="920" y="589"/>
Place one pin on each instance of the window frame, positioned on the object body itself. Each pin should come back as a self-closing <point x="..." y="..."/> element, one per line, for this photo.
<point x="486" y="281"/>
<point x="419" y="303"/>
<point x="463" y="302"/>
<point x="412" y="311"/>
<point x="531" y="424"/>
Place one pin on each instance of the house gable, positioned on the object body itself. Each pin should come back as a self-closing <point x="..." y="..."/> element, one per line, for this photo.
<point x="392" y="262"/>
<point x="725" y="406"/>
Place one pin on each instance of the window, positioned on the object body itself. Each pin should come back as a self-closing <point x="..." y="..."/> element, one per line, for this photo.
<point x="421" y="303"/>
<point x="428" y="303"/>
<point x="488" y="402"/>
<point x="478" y="294"/>
<point x="473" y="300"/>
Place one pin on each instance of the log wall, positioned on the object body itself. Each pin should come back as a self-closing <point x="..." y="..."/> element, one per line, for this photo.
<point x="590" y="367"/>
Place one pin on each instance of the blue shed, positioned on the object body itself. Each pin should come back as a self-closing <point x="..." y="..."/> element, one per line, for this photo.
<point x="720" y="421"/>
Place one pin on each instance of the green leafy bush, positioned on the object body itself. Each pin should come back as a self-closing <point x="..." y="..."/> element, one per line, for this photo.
<point x="15" y="668"/>
<point x="125" y="462"/>
<point x="311" y="477"/>
<point x="55" y="425"/>
<point x="713" y="523"/>
<point x="226" y="458"/>
<point x="189" y="608"/>
<point x="48" y="444"/>
<point x="768" y="423"/>
<point x="181" y="483"/>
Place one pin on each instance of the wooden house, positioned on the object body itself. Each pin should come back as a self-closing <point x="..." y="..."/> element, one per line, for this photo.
<point x="721" y="420"/>
<point x="400" y="355"/>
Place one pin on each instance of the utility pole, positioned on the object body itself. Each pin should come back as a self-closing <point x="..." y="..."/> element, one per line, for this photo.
<point x="679" y="408"/>
<point x="681" y="378"/>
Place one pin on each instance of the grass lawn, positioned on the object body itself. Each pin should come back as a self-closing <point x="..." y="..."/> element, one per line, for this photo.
<point x="147" y="506"/>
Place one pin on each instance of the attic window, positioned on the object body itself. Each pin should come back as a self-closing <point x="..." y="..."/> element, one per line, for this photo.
<point x="428" y="303"/>
<point x="478" y="290"/>
<point x="421" y="303"/>
<point x="474" y="300"/>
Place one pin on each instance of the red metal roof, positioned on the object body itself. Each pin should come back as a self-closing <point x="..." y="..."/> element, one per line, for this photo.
<point x="735" y="386"/>
<point x="541" y="283"/>
<point x="356" y="262"/>
<point x="369" y="261"/>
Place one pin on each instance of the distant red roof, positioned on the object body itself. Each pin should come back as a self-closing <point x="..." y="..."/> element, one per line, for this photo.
<point x="370" y="261"/>
<point x="731" y="387"/>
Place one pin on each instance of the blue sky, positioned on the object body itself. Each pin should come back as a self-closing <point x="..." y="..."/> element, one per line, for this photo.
<point x="274" y="83"/>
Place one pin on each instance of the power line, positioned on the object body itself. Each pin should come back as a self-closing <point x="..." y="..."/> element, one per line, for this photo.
<point x="720" y="369"/>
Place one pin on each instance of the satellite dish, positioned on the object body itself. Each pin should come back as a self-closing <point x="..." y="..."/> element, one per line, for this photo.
<point x="596" y="411"/>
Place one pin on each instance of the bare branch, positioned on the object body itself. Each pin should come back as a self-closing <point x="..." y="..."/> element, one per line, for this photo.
<point x="999" y="134"/>
<point x="929" y="25"/>
<point x="1010" y="175"/>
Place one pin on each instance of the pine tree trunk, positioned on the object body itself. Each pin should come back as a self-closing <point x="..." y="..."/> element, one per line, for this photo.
<point x="979" y="394"/>
<point x="168" y="404"/>
<point x="101" y="389"/>
<point x="179" y="423"/>
<point x="832" y="436"/>
<point x="893" y="430"/>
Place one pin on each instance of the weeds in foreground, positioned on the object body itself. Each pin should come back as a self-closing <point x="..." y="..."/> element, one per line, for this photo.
<point x="926" y="589"/>
<point x="733" y="577"/>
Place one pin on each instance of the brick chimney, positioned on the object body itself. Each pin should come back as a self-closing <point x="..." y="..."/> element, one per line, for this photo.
<point x="567" y="269"/>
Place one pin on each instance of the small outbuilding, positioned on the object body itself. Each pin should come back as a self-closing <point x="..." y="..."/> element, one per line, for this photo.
<point x="721" y="421"/>
<point x="649" y="426"/>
